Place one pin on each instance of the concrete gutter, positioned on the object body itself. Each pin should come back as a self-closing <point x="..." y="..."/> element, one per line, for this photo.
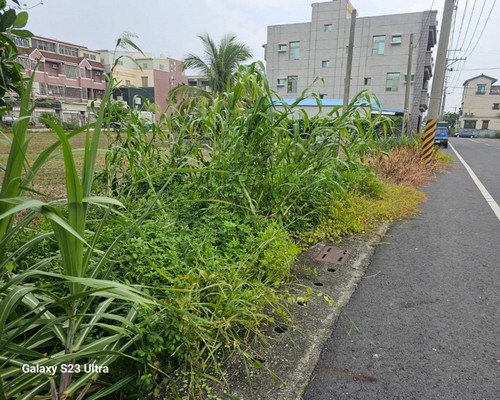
<point x="290" y="357"/>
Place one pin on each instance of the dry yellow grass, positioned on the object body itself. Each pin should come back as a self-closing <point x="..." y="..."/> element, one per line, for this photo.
<point x="404" y="166"/>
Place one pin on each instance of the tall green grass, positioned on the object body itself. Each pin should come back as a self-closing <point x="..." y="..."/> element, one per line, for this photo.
<point x="60" y="310"/>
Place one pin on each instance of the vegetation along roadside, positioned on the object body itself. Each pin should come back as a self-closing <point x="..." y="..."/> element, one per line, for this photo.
<point x="172" y="248"/>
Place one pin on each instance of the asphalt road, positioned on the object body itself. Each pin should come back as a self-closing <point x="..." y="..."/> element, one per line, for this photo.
<point x="424" y="322"/>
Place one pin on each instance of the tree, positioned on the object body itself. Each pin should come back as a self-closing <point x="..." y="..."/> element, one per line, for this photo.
<point x="11" y="74"/>
<point x="451" y="118"/>
<point x="218" y="63"/>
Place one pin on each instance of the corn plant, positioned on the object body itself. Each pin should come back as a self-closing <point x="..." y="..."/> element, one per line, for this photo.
<point x="63" y="324"/>
<point x="277" y="162"/>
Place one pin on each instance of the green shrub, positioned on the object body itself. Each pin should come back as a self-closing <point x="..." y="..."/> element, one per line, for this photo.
<point x="46" y="117"/>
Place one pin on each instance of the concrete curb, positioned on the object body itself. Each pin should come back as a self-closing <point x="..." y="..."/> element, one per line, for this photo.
<point x="292" y="356"/>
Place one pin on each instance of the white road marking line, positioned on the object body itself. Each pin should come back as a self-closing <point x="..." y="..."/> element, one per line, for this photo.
<point x="489" y="199"/>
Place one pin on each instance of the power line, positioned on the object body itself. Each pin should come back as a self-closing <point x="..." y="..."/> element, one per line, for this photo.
<point x="475" y="29"/>
<point x="484" y="27"/>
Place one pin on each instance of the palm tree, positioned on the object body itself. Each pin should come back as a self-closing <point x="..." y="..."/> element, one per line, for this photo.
<point x="219" y="63"/>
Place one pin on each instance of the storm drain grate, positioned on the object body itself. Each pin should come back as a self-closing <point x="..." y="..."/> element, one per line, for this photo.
<point x="333" y="255"/>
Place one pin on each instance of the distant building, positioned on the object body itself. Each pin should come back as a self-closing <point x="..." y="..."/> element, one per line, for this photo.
<point x="480" y="104"/>
<point x="68" y="77"/>
<point x="200" y="81"/>
<point x="298" y="53"/>
<point x="137" y="70"/>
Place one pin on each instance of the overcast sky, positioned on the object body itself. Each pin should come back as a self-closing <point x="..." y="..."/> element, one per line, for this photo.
<point x="170" y="27"/>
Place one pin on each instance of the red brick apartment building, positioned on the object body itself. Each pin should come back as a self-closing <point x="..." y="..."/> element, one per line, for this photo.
<point x="68" y="77"/>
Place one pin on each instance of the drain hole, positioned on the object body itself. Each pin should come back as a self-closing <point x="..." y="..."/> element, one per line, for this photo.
<point x="280" y="329"/>
<point x="340" y="259"/>
<point x="318" y="284"/>
<point x="302" y="303"/>
<point x="329" y="248"/>
<point x="324" y="255"/>
<point x="332" y="269"/>
<point x="345" y="252"/>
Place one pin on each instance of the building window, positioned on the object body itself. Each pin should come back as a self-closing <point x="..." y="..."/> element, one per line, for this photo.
<point x="21" y="42"/>
<point x="496" y="106"/>
<point x="392" y="82"/>
<point x="412" y="78"/>
<point x="56" y="90"/>
<point x="90" y="56"/>
<point x="281" y="82"/>
<point x="282" y="47"/>
<point x="481" y="88"/>
<point x="144" y="80"/>
<point x="470" y="124"/>
<point x="68" y="51"/>
<point x="292" y="84"/>
<point x="325" y="64"/>
<point x="127" y="83"/>
<point x="28" y="64"/>
<point x="43" y="45"/>
<point x="145" y="65"/>
<point x="71" y="71"/>
<point x="368" y="81"/>
<point x="162" y="67"/>
<point x="294" y="50"/>
<point x="73" y="92"/>
<point x="378" y="45"/>
<point x="328" y="27"/>
<point x="396" y="39"/>
<point x="485" y="124"/>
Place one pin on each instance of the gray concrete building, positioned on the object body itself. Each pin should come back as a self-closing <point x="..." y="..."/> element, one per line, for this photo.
<point x="298" y="53"/>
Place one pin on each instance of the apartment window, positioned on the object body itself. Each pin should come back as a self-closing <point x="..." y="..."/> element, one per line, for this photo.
<point x="120" y="62"/>
<point x="470" y="124"/>
<point x="56" y="90"/>
<point x="481" y="88"/>
<point x="368" y="81"/>
<point x="496" y="106"/>
<point x="68" y="51"/>
<point x="292" y="84"/>
<point x="90" y="56"/>
<point x="43" y="88"/>
<point x="281" y="82"/>
<point x="282" y="47"/>
<point x="127" y="83"/>
<point x="71" y="71"/>
<point x="396" y="39"/>
<point x="392" y="82"/>
<point x="294" y="50"/>
<point x="485" y="124"/>
<point x="28" y="64"/>
<point x="73" y="92"/>
<point x="412" y="78"/>
<point x="21" y="42"/>
<point x="378" y="45"/>
<point x="145" y="65"/>
<point x="43" y="45"/>
<point x="144" y="80"/>
<point x="328" y="27"/>
<point x="325" y="64"/>
<point x="162" y="67"/>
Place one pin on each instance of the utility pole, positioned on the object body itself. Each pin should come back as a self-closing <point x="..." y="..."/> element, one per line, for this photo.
<point x="406" y="119"/>
<point x="350" y="50"/>
<point x="438" y="81"/>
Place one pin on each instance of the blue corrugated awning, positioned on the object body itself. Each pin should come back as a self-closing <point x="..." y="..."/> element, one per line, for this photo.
<point x="336" y="103"/>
